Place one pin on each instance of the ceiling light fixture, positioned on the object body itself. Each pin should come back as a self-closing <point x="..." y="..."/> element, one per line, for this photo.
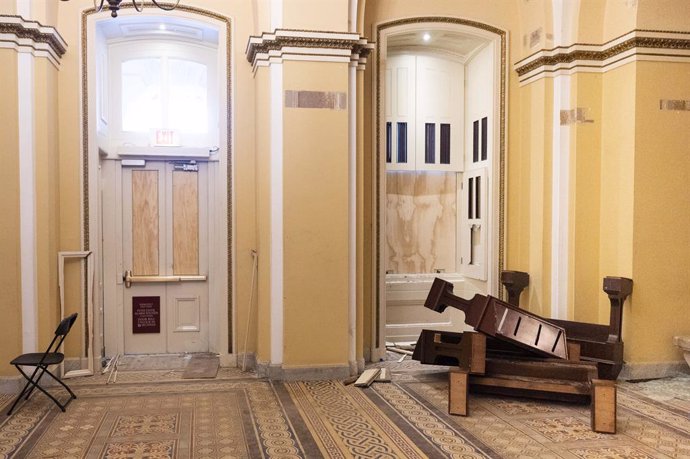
<point x="114" y="5"/>
<point x="426" y="36"/>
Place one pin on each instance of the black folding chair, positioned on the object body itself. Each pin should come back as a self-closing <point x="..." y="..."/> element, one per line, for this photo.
<point x="41" y="362"/>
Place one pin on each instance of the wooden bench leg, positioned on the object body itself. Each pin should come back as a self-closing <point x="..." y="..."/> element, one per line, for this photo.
<point x="458" y="387"/>
<point x="603" y="406"/>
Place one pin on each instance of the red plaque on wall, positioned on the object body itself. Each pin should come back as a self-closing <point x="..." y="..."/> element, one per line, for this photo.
<point x="146" y="314"/>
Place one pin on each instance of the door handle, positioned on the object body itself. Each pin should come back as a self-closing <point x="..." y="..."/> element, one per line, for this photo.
<point x="130" y="279"/>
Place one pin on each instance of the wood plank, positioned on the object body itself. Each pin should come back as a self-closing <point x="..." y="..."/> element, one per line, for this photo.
<point x="604" y="406"/>
<point x="458" y="388"/>
<point x="367" y="377"/>
<point x="532" y="384"/>
<point x="185" y="222"/>
<point x="145" y="231"/>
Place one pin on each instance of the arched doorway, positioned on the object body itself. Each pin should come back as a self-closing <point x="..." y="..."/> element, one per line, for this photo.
<point x="440" y="153"/>
<point x="157" y="178"/>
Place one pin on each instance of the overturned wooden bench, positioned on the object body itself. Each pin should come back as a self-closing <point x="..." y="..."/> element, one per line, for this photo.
<point x="488" y="362"/>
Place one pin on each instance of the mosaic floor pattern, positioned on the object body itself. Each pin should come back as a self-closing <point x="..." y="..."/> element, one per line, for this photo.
<point x="237" y="415"/>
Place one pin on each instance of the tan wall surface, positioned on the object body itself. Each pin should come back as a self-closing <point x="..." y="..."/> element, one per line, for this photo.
<point x="663" y="15"/>
<point x="10" y="281"/>
<point x="661" y="221"/>
<point x="8" y="7"/>
<point x="619" y="18"/>
<point x="535" y="30"/>
<point x="315" y="220"/>
<point x="321" y="15"/>
<point x="585" y="187"/>
<point x="263" y="212"/>
<point x="529" y="198"/>
<point x="617" y="181"/>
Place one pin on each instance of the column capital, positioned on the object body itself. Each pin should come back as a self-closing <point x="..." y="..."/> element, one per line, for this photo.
<point x="307" y="45"/>
<point x="32" y="37"/>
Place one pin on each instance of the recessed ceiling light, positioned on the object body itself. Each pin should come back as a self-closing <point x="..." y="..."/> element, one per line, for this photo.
<point x="162" y="27"/>
<point x="426" y="36"/>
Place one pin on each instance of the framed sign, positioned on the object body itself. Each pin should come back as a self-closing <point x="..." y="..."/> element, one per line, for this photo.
<point x="146" y="314"/>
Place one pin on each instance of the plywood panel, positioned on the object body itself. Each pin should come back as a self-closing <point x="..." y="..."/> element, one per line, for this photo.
<point x="145" y="231"/>
<point x="420" y="222"/>
<point x="185" y="222"/>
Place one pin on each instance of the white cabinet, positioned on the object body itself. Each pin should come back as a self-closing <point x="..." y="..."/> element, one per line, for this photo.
<point x="424" y="106"/>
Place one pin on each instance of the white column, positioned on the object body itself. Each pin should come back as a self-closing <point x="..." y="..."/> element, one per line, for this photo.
<point x="27" y="192"/>
<point x="352" y="214"/>
<point x="276" y="199"/>
<point x="565" y="20"/>
<point x="560" y="200"/>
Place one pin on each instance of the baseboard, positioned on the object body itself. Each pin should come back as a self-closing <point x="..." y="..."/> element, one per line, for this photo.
<point x="302" y="373"/>
<point x="247" y="360"/>
<point x="653" y="370"/>
<point x="11" y="384"/>
<point x="228" y="360"/>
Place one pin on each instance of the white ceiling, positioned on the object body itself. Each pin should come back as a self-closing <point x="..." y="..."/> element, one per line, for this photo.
<point x="160" y="27"/>
<point x="462" y="46"/>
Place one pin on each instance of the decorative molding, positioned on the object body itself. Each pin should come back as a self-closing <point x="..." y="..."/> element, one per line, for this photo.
<point x="288" y="44"/>
<point x="32" y="37"/>
<point x="649" y="45"/>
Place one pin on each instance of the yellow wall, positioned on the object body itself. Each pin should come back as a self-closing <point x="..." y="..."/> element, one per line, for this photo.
<point x="529" y="196"/>
<point x="10" y="281"/>
<point x="331" y="15"/>
<point x="263" y="181"/>
<point x="617" y="180"/>
<point x="663" y="15"/>
<point x="585" y="204"/>
<point x="661" y="215"/>
<point x="315" y="210"/>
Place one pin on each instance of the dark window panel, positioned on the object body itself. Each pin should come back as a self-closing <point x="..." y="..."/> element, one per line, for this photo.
<point x="402" y="142"/>
<point x="389" y="142"/>
<point x="485" y="123"/>
<point x="445" y="143"/>
<point x="475" y="141"/>
<point x="478" y="198"/>
<point x="430" y="143"/>
<point x="470" y="198"/>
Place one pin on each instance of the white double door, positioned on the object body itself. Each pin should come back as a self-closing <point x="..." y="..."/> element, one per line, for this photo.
<point x="165" y="257"/>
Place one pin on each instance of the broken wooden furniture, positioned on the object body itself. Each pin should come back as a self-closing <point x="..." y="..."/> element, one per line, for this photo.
<point x="520" y="353"/>
<point x="601" y="344"/>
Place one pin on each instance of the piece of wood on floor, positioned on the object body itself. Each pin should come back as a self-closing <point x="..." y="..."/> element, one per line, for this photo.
<point x="458" y="387"/>
<point x="604" y="406"/>
<point x="367" y="377"/>
<point x="384" y="376"/>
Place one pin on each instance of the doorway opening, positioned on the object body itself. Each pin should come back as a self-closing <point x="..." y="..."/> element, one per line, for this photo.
<point x="158" y="168"/>
<point x="440" y="145"/>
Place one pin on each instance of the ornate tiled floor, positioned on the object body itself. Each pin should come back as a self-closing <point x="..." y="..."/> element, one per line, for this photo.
<point x="156" y="414"/>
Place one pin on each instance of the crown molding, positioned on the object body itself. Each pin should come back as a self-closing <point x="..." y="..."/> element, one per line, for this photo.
<point x="31" y="37"/>
<point x="309" y="45"/>
<point x="638" y="45"/>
